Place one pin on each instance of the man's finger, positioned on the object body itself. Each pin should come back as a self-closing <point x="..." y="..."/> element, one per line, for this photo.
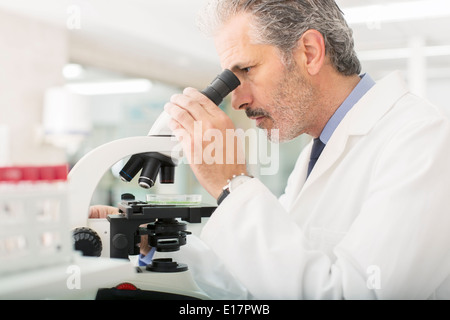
<point x="206" y="104"/>
<point x="101" y="211"/>
<point x="183" y="117"/>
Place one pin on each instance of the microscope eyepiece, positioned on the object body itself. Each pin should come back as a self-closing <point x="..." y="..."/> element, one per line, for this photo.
<point x="221" y="86"/>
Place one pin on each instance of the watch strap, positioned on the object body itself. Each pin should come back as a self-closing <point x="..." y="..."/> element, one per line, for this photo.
<point x="223" y="195"/>
<point x="226" y="189"/>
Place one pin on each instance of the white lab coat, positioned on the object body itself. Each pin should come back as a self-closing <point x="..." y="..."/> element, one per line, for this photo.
<point x="372" y="221"/>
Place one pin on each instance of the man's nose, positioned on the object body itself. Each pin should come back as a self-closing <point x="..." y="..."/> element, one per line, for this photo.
<point x="241" y="97"/>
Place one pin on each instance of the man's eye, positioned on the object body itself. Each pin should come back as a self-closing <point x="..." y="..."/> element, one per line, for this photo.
<point x="246" y="70"/>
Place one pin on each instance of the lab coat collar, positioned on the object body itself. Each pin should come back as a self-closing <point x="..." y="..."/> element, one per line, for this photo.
<point x="375" y="104"/>
<point x="358" y="121"/>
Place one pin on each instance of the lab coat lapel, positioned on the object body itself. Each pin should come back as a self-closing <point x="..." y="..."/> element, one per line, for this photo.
<point x="358" y="121"/>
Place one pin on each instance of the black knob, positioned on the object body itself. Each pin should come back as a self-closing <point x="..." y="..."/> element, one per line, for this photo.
<point x="127" y="196"/>
<point x="87" y="241"/>
<point x="120" y="241"/>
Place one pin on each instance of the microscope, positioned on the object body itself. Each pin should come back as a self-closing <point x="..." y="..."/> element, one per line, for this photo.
<point x="119" y="235"/>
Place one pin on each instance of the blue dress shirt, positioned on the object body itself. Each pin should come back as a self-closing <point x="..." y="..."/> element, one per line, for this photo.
<point x="147" y="259"/>
<point x="358" y="92"/>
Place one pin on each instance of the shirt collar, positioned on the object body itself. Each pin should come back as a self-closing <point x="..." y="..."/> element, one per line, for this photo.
<point x="358" y="92"/>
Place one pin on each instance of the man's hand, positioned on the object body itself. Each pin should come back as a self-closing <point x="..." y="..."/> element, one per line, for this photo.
<point x="101" y="211"/>
<point x="202" y="127"/>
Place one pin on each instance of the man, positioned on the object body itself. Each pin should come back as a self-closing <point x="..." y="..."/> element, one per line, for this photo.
<point x="370" y="219"/>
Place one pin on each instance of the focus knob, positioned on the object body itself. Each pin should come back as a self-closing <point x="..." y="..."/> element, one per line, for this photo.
<point x="87" y="241"/>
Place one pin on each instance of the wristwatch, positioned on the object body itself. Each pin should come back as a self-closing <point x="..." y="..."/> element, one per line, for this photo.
<point x="232" y="184"/>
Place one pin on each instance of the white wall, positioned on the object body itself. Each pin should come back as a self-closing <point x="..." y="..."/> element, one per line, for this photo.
<point x="438" y="92"/>
<point x="32" y="55"/>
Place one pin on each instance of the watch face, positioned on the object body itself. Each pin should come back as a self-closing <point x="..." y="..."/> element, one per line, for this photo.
<point x="237" y="181"/>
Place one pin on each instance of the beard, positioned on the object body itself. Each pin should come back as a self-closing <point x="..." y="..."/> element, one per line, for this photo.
<point x="290" y="105"/>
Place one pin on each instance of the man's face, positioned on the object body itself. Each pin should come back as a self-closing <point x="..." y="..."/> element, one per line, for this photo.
<point x="274" y="95"/>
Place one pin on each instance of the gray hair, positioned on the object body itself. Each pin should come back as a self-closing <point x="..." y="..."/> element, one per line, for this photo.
<point x="282" y="23"/>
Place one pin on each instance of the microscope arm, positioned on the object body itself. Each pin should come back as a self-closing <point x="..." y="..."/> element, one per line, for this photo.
<point x="88" y="171"/>
<point x="161" y="126"/>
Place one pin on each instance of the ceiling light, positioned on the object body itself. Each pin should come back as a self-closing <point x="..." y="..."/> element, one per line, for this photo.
<point x="398" y="11"/>
<point x="72" y="71"/>
<point x="402" y="53"/>
<point x="111" y="87"/>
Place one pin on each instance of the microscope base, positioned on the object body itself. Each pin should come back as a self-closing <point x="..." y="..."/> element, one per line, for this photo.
<point x="77" y="279"/>
<point x="149" y="285"/>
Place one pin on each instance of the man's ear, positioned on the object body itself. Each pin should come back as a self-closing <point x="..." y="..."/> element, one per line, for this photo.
<point x="310" y="51"/>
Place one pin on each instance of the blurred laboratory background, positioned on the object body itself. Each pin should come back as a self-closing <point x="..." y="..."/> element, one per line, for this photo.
<point x="75" y="74"/>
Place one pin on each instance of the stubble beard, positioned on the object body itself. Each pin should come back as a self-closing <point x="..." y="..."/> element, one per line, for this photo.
<point x="290" y="107"/>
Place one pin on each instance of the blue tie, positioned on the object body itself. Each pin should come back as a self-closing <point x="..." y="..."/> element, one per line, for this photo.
<point x="315" y="153"/>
